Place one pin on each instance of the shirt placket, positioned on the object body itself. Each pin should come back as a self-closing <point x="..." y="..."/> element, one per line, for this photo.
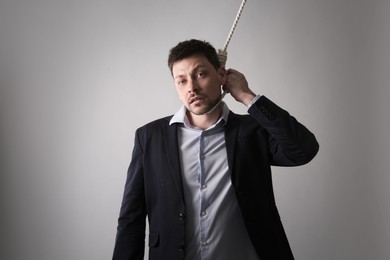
<point x="204" y="239"/>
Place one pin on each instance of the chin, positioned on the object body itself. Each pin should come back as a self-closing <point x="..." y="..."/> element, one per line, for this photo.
<point x="200" y="110"/>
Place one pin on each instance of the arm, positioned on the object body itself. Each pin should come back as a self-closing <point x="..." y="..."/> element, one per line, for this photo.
<point x="130" y="238"/>
<point x="289" y="142"/>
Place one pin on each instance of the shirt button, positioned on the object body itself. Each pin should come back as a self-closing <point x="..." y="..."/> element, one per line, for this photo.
<point x="202" y="157"/>
<point x="182" y="216"/>
<point x="203" y="213"/>
<point x="204" y="186"/>
<point x="181" y="247"/>
<point x="204" y="243"/>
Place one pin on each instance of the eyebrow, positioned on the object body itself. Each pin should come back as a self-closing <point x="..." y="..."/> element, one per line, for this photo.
<point x="197" y="67"/>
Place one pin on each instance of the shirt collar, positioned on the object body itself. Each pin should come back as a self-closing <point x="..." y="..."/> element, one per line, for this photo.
<point x="181" y="117"/>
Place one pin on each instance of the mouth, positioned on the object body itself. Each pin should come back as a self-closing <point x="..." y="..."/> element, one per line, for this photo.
<point x="195" y="99"/>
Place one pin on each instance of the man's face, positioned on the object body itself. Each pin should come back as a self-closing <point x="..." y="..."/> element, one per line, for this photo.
<point x="198" y="83"/>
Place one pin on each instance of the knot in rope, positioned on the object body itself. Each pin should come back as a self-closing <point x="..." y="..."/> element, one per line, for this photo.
<point x="222" y="53"/>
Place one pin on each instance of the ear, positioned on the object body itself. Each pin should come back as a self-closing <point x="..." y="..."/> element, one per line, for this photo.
<point x="222" y="74"/>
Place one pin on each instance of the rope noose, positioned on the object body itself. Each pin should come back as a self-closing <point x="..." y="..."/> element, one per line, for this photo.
<point x="222" y="53"/>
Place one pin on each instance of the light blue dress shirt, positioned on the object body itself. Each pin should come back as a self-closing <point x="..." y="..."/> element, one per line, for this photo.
<point x="215" y="228"/>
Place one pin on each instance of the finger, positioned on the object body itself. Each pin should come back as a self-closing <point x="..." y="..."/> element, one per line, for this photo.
<point x="232" y="71"/>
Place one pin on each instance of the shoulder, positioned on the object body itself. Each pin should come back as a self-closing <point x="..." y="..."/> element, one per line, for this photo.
<point x="241" y="120"/>
<point x="155" y="125"/>
<point x="246" y="123"/>
<point x="158" y="122"/>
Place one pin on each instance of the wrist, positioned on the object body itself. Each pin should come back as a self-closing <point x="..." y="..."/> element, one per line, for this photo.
<point x="247" y="98"/>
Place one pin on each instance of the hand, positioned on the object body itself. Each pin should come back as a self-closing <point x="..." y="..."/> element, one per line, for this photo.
<point x="237" y="86"/>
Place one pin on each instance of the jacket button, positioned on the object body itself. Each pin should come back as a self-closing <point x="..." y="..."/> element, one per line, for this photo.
<point x="181" y="247"/>
<point x="182" y="216"/>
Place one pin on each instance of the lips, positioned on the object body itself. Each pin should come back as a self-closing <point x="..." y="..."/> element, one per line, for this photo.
<point x="194" y="99"/>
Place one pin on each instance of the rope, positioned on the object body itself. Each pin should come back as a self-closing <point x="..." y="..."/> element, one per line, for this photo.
<point x="222" y="54"/>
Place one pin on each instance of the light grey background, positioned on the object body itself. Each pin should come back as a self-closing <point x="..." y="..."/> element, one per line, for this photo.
<point x="78" y="77"/>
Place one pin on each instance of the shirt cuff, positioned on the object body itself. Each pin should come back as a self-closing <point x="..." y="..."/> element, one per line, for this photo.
<point x="254" y="100"/>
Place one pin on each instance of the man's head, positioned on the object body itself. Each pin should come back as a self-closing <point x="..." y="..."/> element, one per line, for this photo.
<point x="192" y="47"/>
<point x="198" y="75"/>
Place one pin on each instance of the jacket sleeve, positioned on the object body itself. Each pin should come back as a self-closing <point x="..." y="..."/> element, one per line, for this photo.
<point x="289" y="142"/>
<point x="130" y="237"/>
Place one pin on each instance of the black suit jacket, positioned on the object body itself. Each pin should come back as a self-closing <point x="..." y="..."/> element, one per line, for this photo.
<point x="267" y="136"/>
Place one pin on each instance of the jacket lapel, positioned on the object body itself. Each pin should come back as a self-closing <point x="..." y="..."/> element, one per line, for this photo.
<point x="231" y="132"/>
<point x="172" y="153"/>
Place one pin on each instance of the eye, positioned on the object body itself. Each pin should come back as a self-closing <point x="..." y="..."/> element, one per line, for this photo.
<point x="201" y="74"/>
<point x="180" y="82"/>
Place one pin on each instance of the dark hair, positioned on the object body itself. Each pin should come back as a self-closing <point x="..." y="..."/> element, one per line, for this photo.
<point x="188" y="48"/>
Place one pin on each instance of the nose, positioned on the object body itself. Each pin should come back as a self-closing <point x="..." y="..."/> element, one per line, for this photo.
<point x="192" y="86"/>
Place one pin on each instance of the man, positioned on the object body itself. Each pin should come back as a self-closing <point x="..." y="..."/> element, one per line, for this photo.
<point x="202" y="176"/>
